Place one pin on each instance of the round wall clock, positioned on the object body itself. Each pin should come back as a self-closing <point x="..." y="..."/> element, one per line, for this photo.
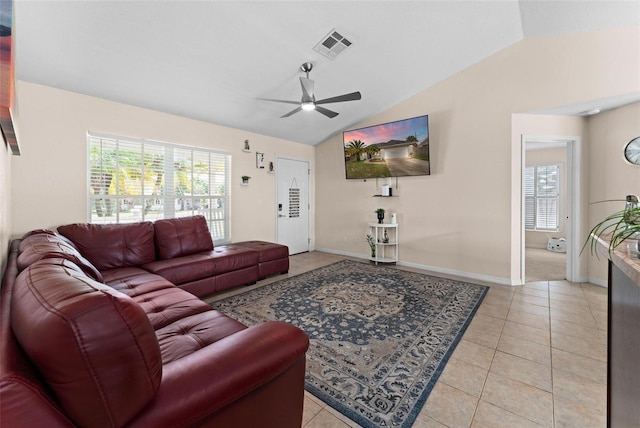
<point x="632" y="151"/>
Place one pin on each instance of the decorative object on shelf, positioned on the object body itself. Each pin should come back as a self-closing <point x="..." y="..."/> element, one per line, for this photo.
<point x="380" y="212"/>
<point x="632" y="151"/>
<point x="385" y="239"/>
<point x="372" y="244"/>
<point x="246" y="145"/>
<point x="385" y="190"/>
<point x="622" y="225"/>
<point x="259" y="160"/>
<point x="245" y="179"/>
<point x="271" y="167"/>
<point x="394" y="219"/>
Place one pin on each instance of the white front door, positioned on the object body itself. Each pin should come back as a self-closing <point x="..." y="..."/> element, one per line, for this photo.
<point x="293" y="204"/>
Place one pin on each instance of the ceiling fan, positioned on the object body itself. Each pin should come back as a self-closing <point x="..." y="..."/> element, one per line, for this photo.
<point x="308" y="101"/>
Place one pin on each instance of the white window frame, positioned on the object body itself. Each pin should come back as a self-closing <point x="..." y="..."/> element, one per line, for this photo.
<point x="209" y="188"/>
<point x="536" y="202"/>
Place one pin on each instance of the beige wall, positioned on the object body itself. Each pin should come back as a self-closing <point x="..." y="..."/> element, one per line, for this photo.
<point x="449" y="221"/>
<point x="463" y="218"/>
<point x="49" y="181"/>
<point x="5" y="202"/>
<point x="611" y="177"/>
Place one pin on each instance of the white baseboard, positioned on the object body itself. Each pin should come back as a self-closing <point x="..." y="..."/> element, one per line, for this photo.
<point x="343" y="253"/>
<point x="468" y="275"/>
<point x="435" y="269"/>
<point x="597" y="281"/>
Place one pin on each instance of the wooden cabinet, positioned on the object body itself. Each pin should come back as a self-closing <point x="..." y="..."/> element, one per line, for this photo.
<point x="623" y="334"/>
<point x="623" y="356"/>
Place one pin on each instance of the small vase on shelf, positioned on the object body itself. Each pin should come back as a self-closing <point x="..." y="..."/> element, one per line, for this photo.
<point x="380" y="213"/>
<point x="372" y="244"/>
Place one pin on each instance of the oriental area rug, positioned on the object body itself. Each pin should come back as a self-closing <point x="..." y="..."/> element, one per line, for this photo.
<point x="379" y="336"/>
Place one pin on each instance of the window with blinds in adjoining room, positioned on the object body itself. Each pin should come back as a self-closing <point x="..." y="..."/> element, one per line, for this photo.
<point x="542" y="197"/>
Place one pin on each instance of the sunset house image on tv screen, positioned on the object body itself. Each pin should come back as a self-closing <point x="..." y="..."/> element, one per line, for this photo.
<point x="394" y="149"/>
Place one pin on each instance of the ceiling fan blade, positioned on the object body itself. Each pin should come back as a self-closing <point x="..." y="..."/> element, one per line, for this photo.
<point x="353" y="96"/>
<point x="330" y="114"/>
<point x="279" y="101"/>
<point x="294" y="111"/>
<point x="307" y="88"/>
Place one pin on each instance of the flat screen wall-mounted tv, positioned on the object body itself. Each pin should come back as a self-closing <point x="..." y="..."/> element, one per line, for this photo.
<point x="394" y="149"/>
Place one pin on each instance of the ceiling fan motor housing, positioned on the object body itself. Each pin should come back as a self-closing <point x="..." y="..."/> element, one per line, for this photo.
<point x="308" y="100"/>
<point x="307" y="67"/>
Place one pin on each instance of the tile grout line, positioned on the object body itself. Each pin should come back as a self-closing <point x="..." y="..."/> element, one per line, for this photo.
<point x="475" y="411"/>
<point x="553" y="391"/>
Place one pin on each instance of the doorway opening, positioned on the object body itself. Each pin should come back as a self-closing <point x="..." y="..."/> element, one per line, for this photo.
<point x="550" y="208"/>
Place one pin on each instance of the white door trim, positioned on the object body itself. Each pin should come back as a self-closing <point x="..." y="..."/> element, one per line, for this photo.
<point x="574" y="153"/>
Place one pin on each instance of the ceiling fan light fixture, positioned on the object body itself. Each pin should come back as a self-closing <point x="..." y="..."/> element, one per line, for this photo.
<point x="308" y="105"/>
<point x="308" y="101"/>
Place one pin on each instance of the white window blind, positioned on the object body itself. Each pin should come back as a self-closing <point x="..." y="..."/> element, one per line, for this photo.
<point x="542" y="194"/>
<point x="134" y="180"/>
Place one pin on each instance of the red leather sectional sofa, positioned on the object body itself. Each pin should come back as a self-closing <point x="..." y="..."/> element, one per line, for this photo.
<point x="180" y="250"/>
<point x="101" y="326"/>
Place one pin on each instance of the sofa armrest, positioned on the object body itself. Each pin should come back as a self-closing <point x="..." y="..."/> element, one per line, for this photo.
<point x="198" y="387"/>
<point x="23" y="403"/>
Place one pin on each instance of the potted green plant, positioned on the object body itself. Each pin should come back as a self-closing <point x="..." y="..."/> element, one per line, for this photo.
<point x="372" y="244"/>
<point x="380" y="212"/>
<point x="621" y="225"/>
<point x="245" y="179"/>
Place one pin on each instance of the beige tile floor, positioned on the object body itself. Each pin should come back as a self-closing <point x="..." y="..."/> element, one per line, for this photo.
<point x="534" y="355"/>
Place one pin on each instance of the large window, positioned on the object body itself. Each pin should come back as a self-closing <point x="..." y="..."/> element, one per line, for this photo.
<point x="542" y="193"/>
<point x="133" y="180"/>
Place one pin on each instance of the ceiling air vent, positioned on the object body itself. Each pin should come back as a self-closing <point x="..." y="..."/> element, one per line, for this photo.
<point x="332" y="44"/>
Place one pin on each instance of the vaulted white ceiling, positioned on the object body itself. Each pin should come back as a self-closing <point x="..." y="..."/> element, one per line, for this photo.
<point x="212" y="60"/>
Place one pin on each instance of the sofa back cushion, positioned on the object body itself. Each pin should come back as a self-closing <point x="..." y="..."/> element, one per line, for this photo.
<point x="93" y="345"/>
<point x="183" y="236"/>
<point x="40" y="244"/>
<point x="110" y="246"/>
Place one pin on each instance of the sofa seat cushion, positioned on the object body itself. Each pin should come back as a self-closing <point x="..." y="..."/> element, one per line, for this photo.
<point x="190" y="334"/>
<point x="110" y="246"/>
<point x="229" y="259"/>
<point x="37" y="245"/>
<point x="162" y="301"/>
<point x="272" y="258"/>
<point x="134" y="280"/>
<point x="177" y="237"/>
<point x="94" y="346"/>
<point x="169" y="305"/>
<point x="181" y="270"/>
<point x="267" y="251"/>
